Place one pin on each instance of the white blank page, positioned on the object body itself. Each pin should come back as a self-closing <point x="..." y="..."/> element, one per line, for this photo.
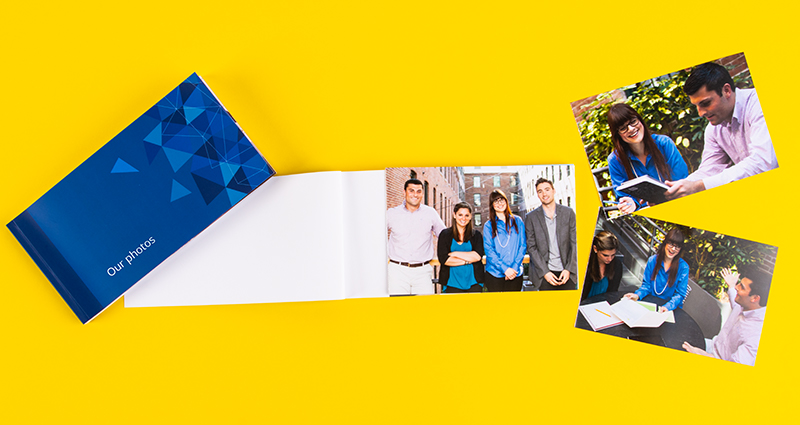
<point x="289" y="240"/>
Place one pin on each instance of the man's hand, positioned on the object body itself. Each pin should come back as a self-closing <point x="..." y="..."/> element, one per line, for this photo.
<point x="551" y="279"/>
<point x="563" y="277"/>
<point x="690" y="348"/>
<point x="662" y="309"/>
<point x="626" y="205"/>
<point x="694" y="350"/>
<point x="631" y="296"/>
<point x="731" y="278"/>
<point x="681" y="188"/>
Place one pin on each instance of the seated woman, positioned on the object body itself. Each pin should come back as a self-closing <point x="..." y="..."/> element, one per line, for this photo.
<point x="605" y="269"/>
<point x="666" y="275"/>
<point x="460" y="251"/>
<point x="638" y="153"/>
<point x="504" y="242"/>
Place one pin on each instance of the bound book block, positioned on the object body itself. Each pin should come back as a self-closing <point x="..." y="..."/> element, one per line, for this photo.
<point x="147" y="192"/>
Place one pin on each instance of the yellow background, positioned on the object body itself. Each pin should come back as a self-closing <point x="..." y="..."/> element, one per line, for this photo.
<point x="349" y="85"/>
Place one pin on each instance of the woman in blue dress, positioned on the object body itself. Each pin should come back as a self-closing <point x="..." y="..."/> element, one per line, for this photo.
<point x="460" y="252"/>
<point x="605" y="269"/>
<point x="638" y="153"/>
<point x="666" y="275"/>
<point x="504" y="244"/>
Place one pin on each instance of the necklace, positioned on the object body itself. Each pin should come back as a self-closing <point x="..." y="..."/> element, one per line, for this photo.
<point x="658" y="173"/>
<point x="655" y="285"/>
<point x="507" y="240"/>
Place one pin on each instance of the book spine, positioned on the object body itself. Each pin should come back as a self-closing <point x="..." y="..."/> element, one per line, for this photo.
<point x="55" y="267"/>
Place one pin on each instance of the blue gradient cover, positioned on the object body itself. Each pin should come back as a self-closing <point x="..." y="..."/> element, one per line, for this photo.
<point x="138" y="199"/>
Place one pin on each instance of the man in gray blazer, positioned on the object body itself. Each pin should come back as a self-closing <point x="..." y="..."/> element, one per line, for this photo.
<point x="552" y="241"/>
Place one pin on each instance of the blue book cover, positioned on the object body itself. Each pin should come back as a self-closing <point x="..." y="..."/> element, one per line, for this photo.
<point x="137" y="200"/>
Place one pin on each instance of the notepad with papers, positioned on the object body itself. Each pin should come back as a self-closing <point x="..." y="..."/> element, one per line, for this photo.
<point x="599" y="315"/>
<point x="636" y="315"/>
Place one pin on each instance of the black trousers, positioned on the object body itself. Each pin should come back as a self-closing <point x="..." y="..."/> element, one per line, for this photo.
<point x="474" y="288"/>
<point x="494" y="284"/>
<point x="570" y="285"/>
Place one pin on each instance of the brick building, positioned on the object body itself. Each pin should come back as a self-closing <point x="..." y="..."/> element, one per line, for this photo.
<point x="562" y="176"/>
<point x="443" y="187"/>
<point x="481" y="181"/>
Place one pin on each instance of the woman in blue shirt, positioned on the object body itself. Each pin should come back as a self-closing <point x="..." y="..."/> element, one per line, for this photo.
<point x="460" y="251"/>
<point x="666" y="275"/>
<point x="638" y="153"/>
<point x="605" y="269"/>
<point x="504" y="244"/>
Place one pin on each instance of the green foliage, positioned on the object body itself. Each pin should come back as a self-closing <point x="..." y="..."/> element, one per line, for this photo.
<point x="666" y="110"/>
<point x="707" y="253"/>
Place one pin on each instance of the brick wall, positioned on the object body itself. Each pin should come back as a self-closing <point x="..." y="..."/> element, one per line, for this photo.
<point x="577" y="106"/>
<point x="767" y="264"/>
<point x="485" y="189"/>
<point x="738" y="62"/>
<point x="442" y="188"/>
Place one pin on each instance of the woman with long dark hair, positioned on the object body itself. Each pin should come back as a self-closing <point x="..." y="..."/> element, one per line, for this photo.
<point x="666" y="275"/>
<point x="637" y="153"/>
<point x="504" y="244"/>
<point x="460" y="251"/>
<point x="605" y="269"/>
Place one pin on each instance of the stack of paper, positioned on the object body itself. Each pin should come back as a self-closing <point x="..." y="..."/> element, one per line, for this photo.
<point x="599" y="315"/>
<point x="636" y="315"/>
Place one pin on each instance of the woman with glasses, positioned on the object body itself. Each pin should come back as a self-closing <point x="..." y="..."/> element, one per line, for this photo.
<point x="504" y="244"/>
<point x="666" y="275"/>
<point x="605" y="269"/>
<point x="638" y="153"/>
<point x="460" y="251"/>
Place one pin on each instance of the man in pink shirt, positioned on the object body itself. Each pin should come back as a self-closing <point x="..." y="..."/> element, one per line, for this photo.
<point x="738" y="339"/>
<point x="737" y="143"/>
<point x="412" y="226"/>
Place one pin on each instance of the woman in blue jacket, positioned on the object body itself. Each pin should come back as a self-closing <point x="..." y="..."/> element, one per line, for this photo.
<point x="638" y="153"/>
<point x="666" y="275"/>
<point x="504" y="244"/>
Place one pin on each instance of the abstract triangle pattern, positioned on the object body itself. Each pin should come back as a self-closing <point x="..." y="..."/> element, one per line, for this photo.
<point x="123" y="167"/>
<point x="190" y="126"/>
<point x="178" y="191"/>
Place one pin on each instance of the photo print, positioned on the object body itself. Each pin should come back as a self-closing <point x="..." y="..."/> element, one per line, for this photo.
<point x="481" y="229"/>
<point x="674" y="135"/>
<point x="677" y="286"/>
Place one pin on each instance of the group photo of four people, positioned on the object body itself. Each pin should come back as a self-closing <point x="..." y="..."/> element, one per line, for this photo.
<point x="489" y="259"/>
